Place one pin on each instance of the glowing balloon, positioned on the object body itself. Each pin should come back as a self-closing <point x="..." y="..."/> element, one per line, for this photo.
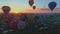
<point x="31" y="2"/>
<point x="52" y="5"/>
<point x="34" y="7"/>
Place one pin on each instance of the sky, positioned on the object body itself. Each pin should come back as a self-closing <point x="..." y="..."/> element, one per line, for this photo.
<point x="21" y="5"/>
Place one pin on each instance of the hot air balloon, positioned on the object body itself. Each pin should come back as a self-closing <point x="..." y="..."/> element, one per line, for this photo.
<point x="34" y="7"/>
<point x="52" y="5"/>
<point x="31" y="2"/>
<point x="6" y="9"/>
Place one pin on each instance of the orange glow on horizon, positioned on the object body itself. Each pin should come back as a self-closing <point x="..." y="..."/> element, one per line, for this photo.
<point x="32" y="11"/>
<point x="1" y="11"/>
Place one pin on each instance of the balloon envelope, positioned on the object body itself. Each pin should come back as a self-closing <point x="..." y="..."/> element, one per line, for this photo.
<point x="6" y="9"/>
<point x="34" y="7"/>
<point x="52" y="5"/>
<point x="30" y="0"/>
<point x="31" y="3"/>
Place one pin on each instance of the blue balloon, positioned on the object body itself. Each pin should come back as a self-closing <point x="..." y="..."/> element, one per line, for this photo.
<point x="52" y="5"/>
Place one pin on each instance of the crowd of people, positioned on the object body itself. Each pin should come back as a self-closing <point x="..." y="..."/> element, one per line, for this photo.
<point x="22" y="22"/>
<point x="9" y="22"/>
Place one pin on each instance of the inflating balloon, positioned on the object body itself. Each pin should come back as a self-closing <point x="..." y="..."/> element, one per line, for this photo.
<point x="31" y="2"/>
<point x="34" y="7"/>
<point x="52" y="5"/>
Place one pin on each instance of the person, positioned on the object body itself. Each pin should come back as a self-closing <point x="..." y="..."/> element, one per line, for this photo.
<point x="36" y="23"/>
<point x="14" y="23"/>
<point x="21" y="24"/>
<point x="5" y="18"/>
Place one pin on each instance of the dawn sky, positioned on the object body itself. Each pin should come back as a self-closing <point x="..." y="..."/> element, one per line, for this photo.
<point x="18" y="5"/>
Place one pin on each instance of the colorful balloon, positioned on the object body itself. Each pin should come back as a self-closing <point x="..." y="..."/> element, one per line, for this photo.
<point x="31" y="2"/>
<point x="34" y="7"/>
<point x="52" y="5"/>
<point x="6" y="9"/>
